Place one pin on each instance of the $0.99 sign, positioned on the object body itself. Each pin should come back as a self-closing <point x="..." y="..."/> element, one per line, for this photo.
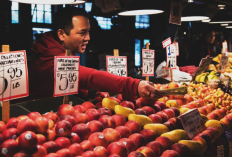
<point x="148" y="62"/>
<point x="117" y="65"/>
<point x="13" y="75"/>
<point x="66" y="75"/>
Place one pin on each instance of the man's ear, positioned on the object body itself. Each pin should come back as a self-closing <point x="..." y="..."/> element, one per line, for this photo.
<point x="60" y="34"/>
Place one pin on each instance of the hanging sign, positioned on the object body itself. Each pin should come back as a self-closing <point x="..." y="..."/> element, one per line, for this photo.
<point x="171" y="57"/>
<point x="13" y="75"/>
<point x="66" y="75"/>
<point x="175" y="13"/>
<point x="223" y="63"/>
<point x="220" y="151"/>
<point x="148" y="57"/>
<point x="117" y="65"/>
<point x="192" y="122"/>
<point x="204" y="64"/>
<point x="166" y="42"/>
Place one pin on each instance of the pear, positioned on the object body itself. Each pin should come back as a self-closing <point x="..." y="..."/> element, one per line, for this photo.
<point x="176" y="135"/>
<point x="109" y="103"/>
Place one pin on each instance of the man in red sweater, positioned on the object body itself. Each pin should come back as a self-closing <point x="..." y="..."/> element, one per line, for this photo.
<point x="72" y="32"/>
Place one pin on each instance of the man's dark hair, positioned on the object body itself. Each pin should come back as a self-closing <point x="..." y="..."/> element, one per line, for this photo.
<point x="63" y="18"/>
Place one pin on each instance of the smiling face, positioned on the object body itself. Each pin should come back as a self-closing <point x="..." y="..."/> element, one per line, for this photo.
<point x="78" y="37"/>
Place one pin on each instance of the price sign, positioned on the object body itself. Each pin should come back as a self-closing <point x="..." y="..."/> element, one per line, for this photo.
<point x="203" y="66"/>
<point x="148" y="62"/>
<point x="220" y="151"/>
<point x="13" y="75"/>
<point x="66" y="75"/>
<point x="192" y="122"/>
<point x="223" y="63"/>
<point x="166" y="42"/>
<point x="117" y="65"/>
<point x="175" y="13"/>
<point x="171" y="57"/>
<point x="224" y="47"/>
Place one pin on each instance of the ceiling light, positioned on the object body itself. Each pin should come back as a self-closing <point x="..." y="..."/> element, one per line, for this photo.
<point x="140" y="7"/>
<point x="221" y="6"/>
<point x="229" y="27"/>
<point x="224" y="24"/>
<point x="52" y="2"/>
<point x="221" y="17"/>
<point x="207" y="20"/>
<point x="193" y="12"/>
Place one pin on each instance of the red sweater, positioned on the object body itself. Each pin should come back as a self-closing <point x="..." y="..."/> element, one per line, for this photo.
<point x="41" y="73"/>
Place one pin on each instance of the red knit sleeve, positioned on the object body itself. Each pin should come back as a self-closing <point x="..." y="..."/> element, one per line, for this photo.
<point x="103" y="81"/>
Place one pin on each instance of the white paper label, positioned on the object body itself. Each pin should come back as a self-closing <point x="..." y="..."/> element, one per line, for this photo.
<point x="148" y="57"/>
<point x="171" y="57"/>
<point x="117" y="65"/>
<point x="166" y="42"/>
<point x="223" y="63"/>
<point x="13" y="75"/>
<point x="66" y="75"/>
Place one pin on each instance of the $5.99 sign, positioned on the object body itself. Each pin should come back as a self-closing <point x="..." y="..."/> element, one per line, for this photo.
<point x="117" y="65"/>
<point x="148" y="57"/>
<point x="66" y="75"/>
<point x="13" y="75"/>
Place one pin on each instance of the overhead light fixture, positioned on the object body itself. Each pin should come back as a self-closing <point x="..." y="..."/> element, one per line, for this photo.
<point x="221" y="17"/>
<point x="229" y="27"/>
<point x="208" y="20"/>
<point x="52" y="2"/>
<point x="193" y="12"/>
<point x="224" y="24"/>
<point x="221" y="6"/>
<point x="140" y="7"/>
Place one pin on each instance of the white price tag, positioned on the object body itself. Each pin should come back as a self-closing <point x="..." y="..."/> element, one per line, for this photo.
<point x="223" y="63"/>
<point x="192" y="122"/>
<point x="117" y="65"/>
<point x="177" y="48"/>
<point x="171" y="57"/>
<point x="175" y="13"/>
<point x="166" y="42"/>
<point x="13" y="75"/>
<point x="224" y="47"/>
<point x="66" y="75"/>
<point x="148" y="62"/>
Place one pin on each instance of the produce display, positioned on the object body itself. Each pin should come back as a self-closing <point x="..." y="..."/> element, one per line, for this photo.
<point x="125" y="126"/>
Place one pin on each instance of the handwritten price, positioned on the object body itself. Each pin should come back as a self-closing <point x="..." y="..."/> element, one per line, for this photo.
<point x="67" y="78"/>
<point x="119" y="72"/>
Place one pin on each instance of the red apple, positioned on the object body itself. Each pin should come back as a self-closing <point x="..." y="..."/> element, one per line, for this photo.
<point x="139" y="140"/>
<point x="128" y="104"/>
<point x="155" y="118"/>
<point x="50" y="124"/>
<point x="119" y="119"/>
<point x="98" y="105"/>
<point x="10" y="133"/>
<point x="63" y="128"/>
<point x="166" y="142"/>
<point x="211" y="134"/>
<point x="69" y="118"/>
<point x="87" y="105"/>
<point x="38" y="151"/>
<point x="161" y="104"/>
<point x="51" y="115"/>
<point x="181" y="149"/>
<point x="41" y="124"/>
<point x="82" y="130"/>
<point x="22" y="117"/>
<point x="64" y="152"/>
<point x="93" y="114"/>
<point x="188" y="98"/>
<point x="101" y="151"/>
<point x="163" y="115"/>
<point x="170" y="153"/>
<point x="51" y="146"/>
<point x="9" y="148"/>
<point x="105" y="111"/>
<point x="87" y="145"/>
<point x="129" y="97"/>
<point x="111" y="135"/>
<point x="50" y="135"/>
<point x="124" y="131"/>
<point x="41" y="139"/>
<point x="148" y="102"/>
<point x="27" y="140"/>
<point x="140" y="111"/>
<point x="149" y="135"/>
<point x="157" y="147"/>
<point x="79" y="109"/>
<point x="147" y="151"/>
<point x="118" y="148"/>
<point x="136" y="154"/>
<point x="23" y="153"/>
<point x="63" y="142"/>
<point x="114" y="155"/>
<point x="134" y="126"/>
<point x="98" y="139"/>
<point x="138" y="103"/>
<point x="120" y="97"/>
<point x="149" y="110"/>
<point x="170" y="113"/>
<point x="81" y="118"/>
<point x="215" y="130"/>
<point x="33" y="115"/>
<point x="169" y="125"/>
<point x="107" y="121"/>
<point x="100" y="95"/>
<point x="26" y="125"/>
<point x="1" y="139"/>
<point x="89" y="154"/>
<point x="116" y="99"/>
<point x="76" y="149"/>
<point x="95" y="126"/>
<point x="173" y="85"/>
<point x="206" y="137"/>
<point x="65" y="109"/>
<point x="130" y="144"/>
<point x="201" y="141"/>
<point x="12" y="123"/>
<point x="156" y="107"/>
<point x="175" y="110"/>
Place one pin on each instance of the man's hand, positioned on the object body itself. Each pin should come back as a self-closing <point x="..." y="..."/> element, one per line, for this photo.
<point x="147" y="90"/>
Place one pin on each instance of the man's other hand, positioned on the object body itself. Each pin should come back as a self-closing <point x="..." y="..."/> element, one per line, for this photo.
<point x="147" y="90"/>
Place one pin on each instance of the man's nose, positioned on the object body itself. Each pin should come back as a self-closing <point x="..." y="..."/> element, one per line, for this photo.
<point x="87" y="37"/>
